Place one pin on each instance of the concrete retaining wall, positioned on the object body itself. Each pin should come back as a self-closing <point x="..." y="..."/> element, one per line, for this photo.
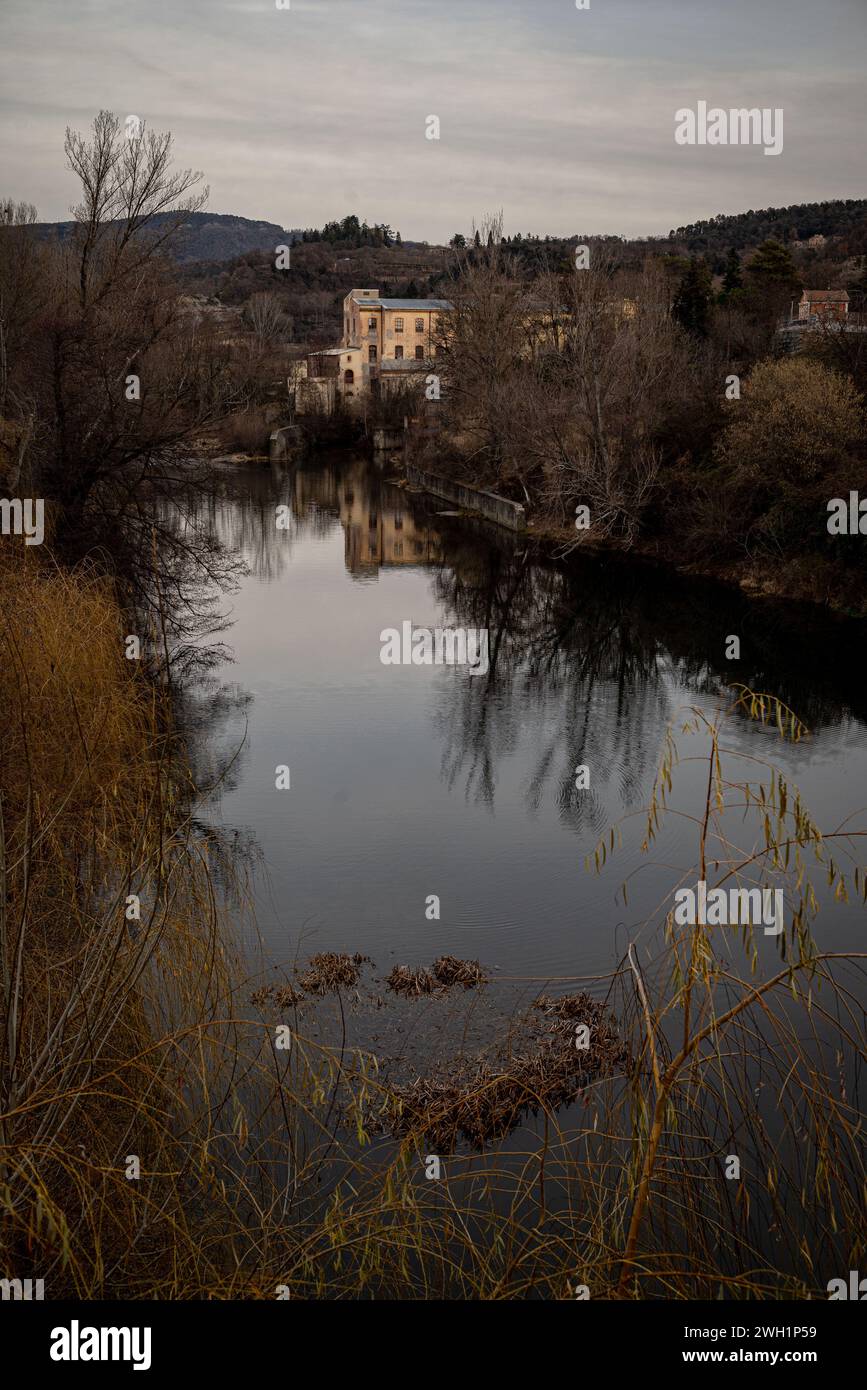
<point x="387" y="438"/>
<point x="284" y="442"/>
<point x="471" y="499"/>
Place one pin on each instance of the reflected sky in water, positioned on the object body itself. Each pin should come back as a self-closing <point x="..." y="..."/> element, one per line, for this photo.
<point x="410" y="781"/>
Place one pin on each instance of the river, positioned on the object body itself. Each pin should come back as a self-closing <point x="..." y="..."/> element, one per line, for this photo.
<point x="412" y="781"/>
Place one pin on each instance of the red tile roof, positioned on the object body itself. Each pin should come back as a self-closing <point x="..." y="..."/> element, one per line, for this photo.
<point x="826" y="296"/>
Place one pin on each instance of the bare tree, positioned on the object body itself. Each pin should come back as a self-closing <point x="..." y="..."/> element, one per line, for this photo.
<point x="107" y="380"/>
<point x="125" y="375"/>
<point x="618" y="358"/>
<point x="132" y="205"/>
<point x="267" y="320"/>
<point x="22" y="299"/>
<point x="555" y="385"/>
<point x="482" y="348"/>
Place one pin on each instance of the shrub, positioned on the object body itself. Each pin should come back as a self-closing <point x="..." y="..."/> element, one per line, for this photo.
<point x="795" y="419"/>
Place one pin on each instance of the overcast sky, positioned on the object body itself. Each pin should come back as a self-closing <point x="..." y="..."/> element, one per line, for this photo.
<point x="562" y="118"/>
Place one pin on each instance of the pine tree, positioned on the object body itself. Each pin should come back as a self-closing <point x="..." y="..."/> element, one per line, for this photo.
<point x="691" y="308"/>
<point x="732" y="279"/>
<point x="772" y="279"/>
<point x="772" y="265"/>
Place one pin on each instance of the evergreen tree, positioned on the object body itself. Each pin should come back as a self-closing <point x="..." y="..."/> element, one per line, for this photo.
<point x="772" y="279"/>
<point x="773" y="261"/>
<point x="691" y="308"/>
<point x="732" y="279"/>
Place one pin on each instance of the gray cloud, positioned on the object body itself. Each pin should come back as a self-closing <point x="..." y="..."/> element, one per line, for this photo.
<point x="563" y="118"/>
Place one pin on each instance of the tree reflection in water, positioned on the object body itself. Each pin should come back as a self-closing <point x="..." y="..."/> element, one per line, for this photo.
<point x="587" y="655"/>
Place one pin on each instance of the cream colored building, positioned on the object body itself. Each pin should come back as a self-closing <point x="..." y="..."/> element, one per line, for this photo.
<point x="325" y="377"/>
<point x="386" y="342"/>
<point x="392" y="330"/>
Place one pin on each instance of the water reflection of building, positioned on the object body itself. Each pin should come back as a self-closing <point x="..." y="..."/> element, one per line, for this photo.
<point x="382" y="526"/>
<point x="315" y="501"/>
<point x="382" y="529"/>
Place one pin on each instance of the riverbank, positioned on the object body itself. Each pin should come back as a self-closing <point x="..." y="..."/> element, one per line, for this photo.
<point x="799" y="581"/>
<point x="188" y="1140"/>
<point x="806" y="578"/>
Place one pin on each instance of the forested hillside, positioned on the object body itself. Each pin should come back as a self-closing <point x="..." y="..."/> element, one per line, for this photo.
<point x="843" y="217"/>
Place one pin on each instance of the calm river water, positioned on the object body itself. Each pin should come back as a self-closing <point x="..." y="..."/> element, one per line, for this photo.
<point x="409" y="781"/>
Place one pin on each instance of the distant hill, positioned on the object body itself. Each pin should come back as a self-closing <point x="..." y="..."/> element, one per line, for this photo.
<point x="209" y="236"/>
<point x="842" y="217"/>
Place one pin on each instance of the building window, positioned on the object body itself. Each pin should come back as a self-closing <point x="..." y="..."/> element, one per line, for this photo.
<point x="419" y="325"/>
<point x="372" y="521"/>
<point x="398" y="548"/>
<point x="349" y="376"/>
<point x="398" y="521"/>
<point x="371" y="324"/>
<point x="398" y="325"/>
<point x="371" y="354"/>
<point x="419" y="352"/>
<point x="398" y="353"/>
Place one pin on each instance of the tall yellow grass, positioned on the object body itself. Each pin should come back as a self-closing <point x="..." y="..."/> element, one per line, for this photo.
<point x="259" y="1171"/>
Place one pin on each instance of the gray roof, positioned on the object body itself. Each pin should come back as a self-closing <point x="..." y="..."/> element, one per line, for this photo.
<point x="410" y="304"/>
<point x="407" y="305"/>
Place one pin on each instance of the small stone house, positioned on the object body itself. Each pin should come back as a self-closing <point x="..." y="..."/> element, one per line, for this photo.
<point x="824" y="304"/>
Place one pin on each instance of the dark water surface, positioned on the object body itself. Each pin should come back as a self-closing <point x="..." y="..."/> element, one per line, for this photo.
<point x="408" y="781"/>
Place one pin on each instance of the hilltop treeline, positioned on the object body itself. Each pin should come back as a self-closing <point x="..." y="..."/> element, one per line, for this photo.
<point x="845" y="217"/>
<point x="349" y="231"/>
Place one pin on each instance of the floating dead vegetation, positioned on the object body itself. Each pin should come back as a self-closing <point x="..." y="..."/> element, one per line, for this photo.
<point x="329" y="971"/>
<point x="411" y="980"/>
<point x="451" y="971"/>
<point x="482" y="1099"/>
<point x="284" y="996"/>
<point x="447" y="971"/>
